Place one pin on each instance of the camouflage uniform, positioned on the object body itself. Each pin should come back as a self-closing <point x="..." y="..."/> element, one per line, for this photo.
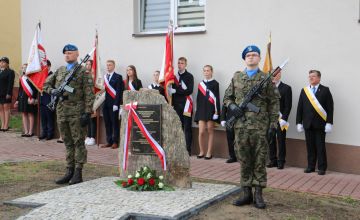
<point x="250" y="136"/>
<point x="69" y="111"/>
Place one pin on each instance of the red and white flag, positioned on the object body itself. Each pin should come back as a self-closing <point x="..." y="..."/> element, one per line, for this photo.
<point x="167" y="76"/>
<point x="96" y="71"/>
<point x="37" y="70"/>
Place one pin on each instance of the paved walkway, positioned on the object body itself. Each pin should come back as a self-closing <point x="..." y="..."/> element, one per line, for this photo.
<point x="15" y="148"/>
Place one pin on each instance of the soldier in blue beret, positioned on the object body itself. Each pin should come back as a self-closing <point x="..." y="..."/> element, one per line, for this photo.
<point x="251" y="48"/>
<point x="70" y="47"/>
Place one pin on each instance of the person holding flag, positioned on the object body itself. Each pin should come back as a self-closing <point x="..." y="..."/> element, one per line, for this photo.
<point x="207" y="110"/>
<point x="26" y="103"/>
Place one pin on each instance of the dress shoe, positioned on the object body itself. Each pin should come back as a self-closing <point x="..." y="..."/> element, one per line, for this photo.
<point x="91" y="141"/>
<point x="321" y="172"/>
<point x="87" y="140"/>
<point x="272" y="164"/>
<point x="114" y="146"/>
<point x="42" y="137"/>
<point x="30" y="135"/>
<point x="5" y="129"/>
<point x="231" y="160"/>
<point x="199" y="156"/>
<point x="24" y="135"/>
<point x="105" y="145"/>
<point x="49" y="138"/>
<point x="258" y="198"/>
<point x="67" y="177"/>
<point x="280" y="166"/>
<point x="309" y="170"/>
<point x="246" y="197"/>
<point x="208" y="158"/>
<point x="59" y="141"/>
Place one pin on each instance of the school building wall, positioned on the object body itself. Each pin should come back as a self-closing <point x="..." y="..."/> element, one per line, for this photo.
<point x="322" y="34"/>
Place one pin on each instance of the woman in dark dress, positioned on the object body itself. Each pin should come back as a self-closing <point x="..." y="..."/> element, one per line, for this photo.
<point x="7" y="77"/>
<point x="132" y="82"/>
<point x="27" y="103"/>
<point x="207" y="111"/>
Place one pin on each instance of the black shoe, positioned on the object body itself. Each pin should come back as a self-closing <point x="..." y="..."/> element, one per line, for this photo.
<point x="272" y="164"/>
<point x="199" y="156"/>
<point x="77" y="178"/>
<point x="321" y="172"/>
<point x="231" y="160"/>
<point x="280" y="166"/>
<point x="246" y="198"/>
<point x="4" y="130"/>
<point x="60" y="141"/>
<point x="258" y="199"/>
<point x="42" y="137"/>
<point x="67" y="177"/>
<point x="24" y="135"/>
<point x="309" y="170"/>
<point x="208" y="158"/>
<point x="49" y="138"/>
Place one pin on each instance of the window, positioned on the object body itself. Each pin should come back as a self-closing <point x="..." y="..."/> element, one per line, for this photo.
<point x="187" y="15"/>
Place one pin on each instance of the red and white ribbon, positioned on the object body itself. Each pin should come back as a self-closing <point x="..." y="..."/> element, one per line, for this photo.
<point x="189" y="100"/>
<point x="212" y="98"/>
<point x="109" y="89"/>
<point x="153" y="143"/>
<point x="26" y="86"/>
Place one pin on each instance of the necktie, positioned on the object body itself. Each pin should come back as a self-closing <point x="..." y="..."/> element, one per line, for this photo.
<point x="108" y="77"/>
<point x="314" y="89"/>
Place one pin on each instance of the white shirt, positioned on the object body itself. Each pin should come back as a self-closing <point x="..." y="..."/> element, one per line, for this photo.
<point x="316" y="87"/>
<point x="208" y="80"/>
<point x="110" y="75"/>
<point x="277" y="83"/>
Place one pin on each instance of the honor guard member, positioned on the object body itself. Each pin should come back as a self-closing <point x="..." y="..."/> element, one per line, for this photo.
<point x="250" y="135"/>
<point x="73" y="113"/>
<point x="315" y="114"/>
<point x="278" y="140"/>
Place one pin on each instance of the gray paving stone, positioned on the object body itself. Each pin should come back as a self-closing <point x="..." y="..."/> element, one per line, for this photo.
<point x="102" y="199"/>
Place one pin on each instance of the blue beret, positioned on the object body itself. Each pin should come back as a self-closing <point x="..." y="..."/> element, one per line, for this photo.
<point x="70" y="47"/>
<point x="251" y="48"/>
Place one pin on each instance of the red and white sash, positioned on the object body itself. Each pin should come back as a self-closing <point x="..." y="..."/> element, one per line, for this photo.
<point x="154" y="145"/>
<point x="131" y="87"/>
<point x="26" y="86"/>
<point x="109" y="89"/>
<point x="189" y="100"/>
<point x="212" y="98"/>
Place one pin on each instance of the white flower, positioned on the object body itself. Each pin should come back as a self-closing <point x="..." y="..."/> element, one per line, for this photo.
<point x="137" y="175"/>
<point x="148" y="176"/>
<point x="129" y="177"/>
<point x="161" y="185"/>
<point x="145" y="168"/>
<point x="161" y="177"/>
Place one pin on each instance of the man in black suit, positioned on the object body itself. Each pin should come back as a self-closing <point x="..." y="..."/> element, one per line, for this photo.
<point x="181" y="94"/>
<point x="315" y="115"/>
<point x="114" y="87"/>
<point x="47" y="116"/>
<point x="279" y="136"/>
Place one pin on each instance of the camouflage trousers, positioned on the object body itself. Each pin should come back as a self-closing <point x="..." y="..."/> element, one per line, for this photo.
<point x="251" y="149"/>
<point x="74" y="137"/>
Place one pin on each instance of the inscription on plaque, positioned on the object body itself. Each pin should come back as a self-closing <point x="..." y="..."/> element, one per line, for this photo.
<point x="150" y="116"/>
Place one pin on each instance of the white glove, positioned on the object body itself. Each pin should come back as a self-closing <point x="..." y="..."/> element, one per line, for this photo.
<point x="300" y="128"/>
<point x="328" y="127"/>
<point x="173" y="91"/>
<point x="215" y="117"/>
<point x="223" y="123"/>
<point x="115" y="108"/>
<point x="282" y="122"/>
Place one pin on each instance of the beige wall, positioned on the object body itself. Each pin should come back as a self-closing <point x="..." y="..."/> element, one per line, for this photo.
<point x="10" y="37"/>
<point x="321" y="34"/>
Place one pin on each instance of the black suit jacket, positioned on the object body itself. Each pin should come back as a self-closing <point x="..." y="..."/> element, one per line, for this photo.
<point x="45" y="98"/>
<point x="7" y="77"/>
<point x="285" y="100"/>
<point x="116" y="82"/>
<point x="307" y="115"/>
<point x="179" y="98"/>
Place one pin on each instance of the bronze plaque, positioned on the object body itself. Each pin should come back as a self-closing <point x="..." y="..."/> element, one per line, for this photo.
<point x="150" y="115"/>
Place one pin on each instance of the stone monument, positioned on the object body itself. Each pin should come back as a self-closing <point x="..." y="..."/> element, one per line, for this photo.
<point x="164" y="125"/>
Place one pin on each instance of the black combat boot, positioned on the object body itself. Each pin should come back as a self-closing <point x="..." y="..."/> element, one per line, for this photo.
<point x="246" y="198"/>
<point x="68" y="175"/>
<point x="258" y="199"/>
<point x="77" y="178"/>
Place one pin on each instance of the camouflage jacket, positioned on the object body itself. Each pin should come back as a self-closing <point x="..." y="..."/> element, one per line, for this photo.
<point x="268" y="101"/>
<point x="76" y="103"/>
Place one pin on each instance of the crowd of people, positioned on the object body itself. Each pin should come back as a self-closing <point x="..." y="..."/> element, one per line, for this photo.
<point x="258" y="139"/>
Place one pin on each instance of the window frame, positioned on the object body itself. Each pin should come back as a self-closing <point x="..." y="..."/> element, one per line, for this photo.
<point x="139" y="17"/>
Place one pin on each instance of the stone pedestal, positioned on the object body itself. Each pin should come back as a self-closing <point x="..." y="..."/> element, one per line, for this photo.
<point x="173" y="142"/>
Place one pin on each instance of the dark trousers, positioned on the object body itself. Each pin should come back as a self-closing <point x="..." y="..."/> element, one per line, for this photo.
<point x="230" y="136"/>
<point x="91" y="132"/>
<point x="47" y="121"/>
<point x="315" y="145"/>
<point x="278" y="142"/>
<point x="186" y="123"/>
<point x="112" y="124"/>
